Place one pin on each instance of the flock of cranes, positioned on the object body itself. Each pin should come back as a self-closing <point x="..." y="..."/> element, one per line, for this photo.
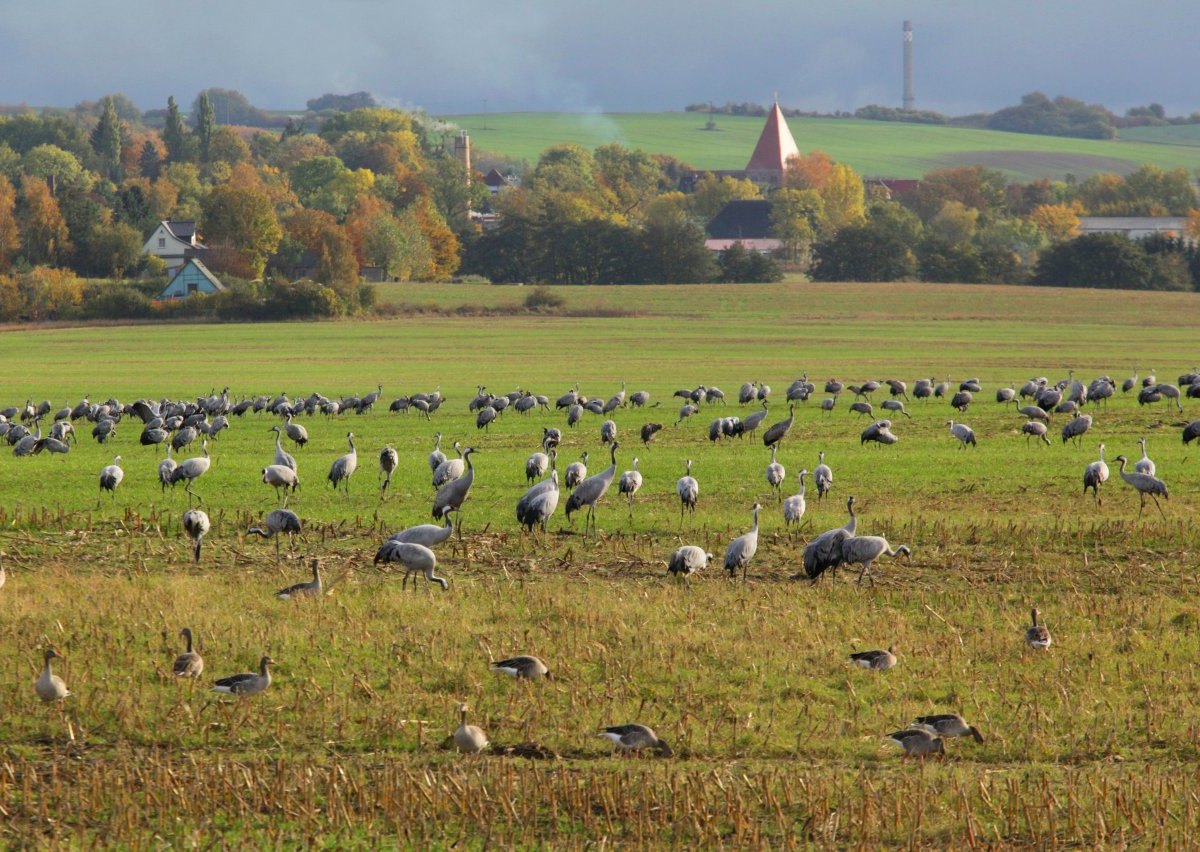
<point x="177" y="425"/>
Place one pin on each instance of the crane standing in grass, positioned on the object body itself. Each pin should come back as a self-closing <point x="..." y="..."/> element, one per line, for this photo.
<point x="1144" y="484"/>
<point x="344" y="466"/>
<point x="742" y="549"/>
<point x="591" y="490"/>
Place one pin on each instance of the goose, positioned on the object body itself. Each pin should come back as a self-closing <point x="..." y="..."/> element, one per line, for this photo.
<point x="196" y="525"/>
<point x="917" y="742"/>
<point x="523" y="667"/>
<point x="246" y="684"/>
<point x="426" y="534"/>
<point x="469" y="739"/>
<point x="689" y="491"/>
<point x="313" y="588"/>
<point x="49" y="686"/>
<point x="1037" y="636"/>
<point x="794" y="506"/>
<point x="634" y="738"/>
<point x="629" y="483"/>
<point x="687" y="560"/>
<point x="189" y="664"/>
<point x="876" y="660"/>
<point x="389" y="460"/>
<point x="282" y="456"/>
<point x="775" y="474"/>
<point x="742" y="549"/>
<point x="450" y="469"/>
<point x="344" y="466"/>
<point x="948" y="725"/>
<point x="111" y="476"/>
<point x="276" y="522"/>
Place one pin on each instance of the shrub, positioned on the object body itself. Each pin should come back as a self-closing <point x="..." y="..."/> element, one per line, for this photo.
<point x="543" y="298"/>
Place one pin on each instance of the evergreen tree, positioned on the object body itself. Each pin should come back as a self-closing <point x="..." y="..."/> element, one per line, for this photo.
<point x="206" y="124"/>
<point x="106" y="140"/>
<point x="148" y="161"/>
<point x="173" y="133"/>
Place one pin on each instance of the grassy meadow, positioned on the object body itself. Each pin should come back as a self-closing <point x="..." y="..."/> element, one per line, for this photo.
<point x="778" y="741"/>
<point x="873" y="148"/>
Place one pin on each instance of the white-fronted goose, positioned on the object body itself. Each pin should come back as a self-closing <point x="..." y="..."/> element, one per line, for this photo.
<point x="917" y="742"/>
<point x="189" y="664"/>
<point x="49" y="686"/>
<point x="633" y="738"/>
<point x="878" y="660"/>
<point x="469" y="739"/>
<point x="948" y="725"/>
<point x="247" y="683"/>
<point x="524" y="666"/>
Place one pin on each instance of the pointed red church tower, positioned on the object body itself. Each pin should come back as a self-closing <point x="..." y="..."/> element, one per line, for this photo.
<point x="774" y="146"/>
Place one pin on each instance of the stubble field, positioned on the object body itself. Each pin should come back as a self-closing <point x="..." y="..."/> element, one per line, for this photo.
<point x="777" y="740"/>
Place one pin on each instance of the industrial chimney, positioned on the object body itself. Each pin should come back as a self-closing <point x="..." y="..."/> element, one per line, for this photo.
<point x="909" y="100"/>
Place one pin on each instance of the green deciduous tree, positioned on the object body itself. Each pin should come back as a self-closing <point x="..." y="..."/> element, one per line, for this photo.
<point x="1108" y="261"/>
<point x="114" y="250"/>
<point x="863" y="253"/>
<point x="106" y="140"/>
<point x="244" y="218"/>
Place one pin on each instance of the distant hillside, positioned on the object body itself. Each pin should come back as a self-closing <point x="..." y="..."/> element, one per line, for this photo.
<point x="874" y="149"/>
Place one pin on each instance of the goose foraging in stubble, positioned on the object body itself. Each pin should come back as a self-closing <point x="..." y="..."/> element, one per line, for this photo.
<point x="246" y="684"/>
<point x="523" y="667"/>
<point x="196" y="525"/>
<point x="948" y="725"/>
<point x="634" y="738"/>
<point x="313" y="588"/>
<point x="189" y="664"/>
<point x="917" y="742"/>
<point x="877" y="660"/>
<point x="1037" y="636"/>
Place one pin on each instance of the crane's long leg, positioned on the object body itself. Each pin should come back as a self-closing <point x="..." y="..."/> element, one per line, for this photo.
<point x="1159" y="505"/>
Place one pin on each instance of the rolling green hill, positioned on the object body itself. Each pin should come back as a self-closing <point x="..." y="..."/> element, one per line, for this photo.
<point x="874" y="149"/>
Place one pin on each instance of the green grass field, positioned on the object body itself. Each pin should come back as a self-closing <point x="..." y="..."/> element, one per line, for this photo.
<point x="873" y="148"/>
<point x="778" y="741"/>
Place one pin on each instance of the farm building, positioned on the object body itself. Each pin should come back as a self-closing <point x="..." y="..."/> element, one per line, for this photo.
<point x="1134" y="227"/>
<point x="769" y="160"/>
<point x="174" y="242"/>
<point x="745" y="222"/>
<point x="192" y="277"/>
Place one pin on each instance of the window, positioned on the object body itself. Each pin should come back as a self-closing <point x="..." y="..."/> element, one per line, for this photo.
<point x="193" y="287"/>
<point x="162" y="242"/>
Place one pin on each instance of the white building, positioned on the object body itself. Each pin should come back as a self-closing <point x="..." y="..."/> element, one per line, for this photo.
<point x="174" y="242"/>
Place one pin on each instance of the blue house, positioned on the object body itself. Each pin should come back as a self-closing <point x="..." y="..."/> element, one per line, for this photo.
<point x="192" y="277"/>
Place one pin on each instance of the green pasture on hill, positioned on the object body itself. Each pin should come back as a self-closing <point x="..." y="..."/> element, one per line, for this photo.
<point x="778" y="740"/>
<point x="873" y="148"/>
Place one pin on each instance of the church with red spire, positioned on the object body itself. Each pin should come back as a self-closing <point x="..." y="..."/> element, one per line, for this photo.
<point x="775" y="145"/>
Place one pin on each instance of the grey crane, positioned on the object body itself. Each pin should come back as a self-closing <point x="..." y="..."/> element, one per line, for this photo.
<point x="184" y="437"/>
<point x="822" y="476"/>
<point x="860" y="408"/>
<point x="1037" y="636"/>
<point x="754" y="419"/>
<point x="278" y="476"/>
<point x="963" y="433"/>
<point x="649" y="430"/>
<point x="1034" y="412"/>
<point x="895" y="405"/>
<point x="313" y="588"/>
<point x="777" y="431"/>
<point x="1095" y="475"/>
<point x="747" y="394"/>
<point x="551" y="438"/>
<point x="1191" y="432"/>
<point x="775" y="474"/>
<point x="824" y="552"/>
<point x="923" y="389"/>
<point x="538" y="504"/>
<point x="917" y="742"/>
<point x="1006" y="395"/>
<point x="1144" y="484"/>
<point x="865" y="549"/>
<point x="415" y="558"/>
<point x="536" y="466"/>
<point x="741" y="550"/>
<point x="616" y="401"/>
<point x="166" y="468"/>
<point x="686" y="411"/>
<point x="591" y="490"/>
<point x="278" y="522"/>
<point x="608" y="431"/>
<point x="634" y="738"/>
<point x="24" y="446"/>
<point x="428" y="535"/>
<point x="189" y="470"/>
<point x="344" y="466"/>
<point x="576" y="471"/>
<point x="688" y="490"/>
<point x="1035" y="429"/>
<point x="50" y="445"/>
<point x="1169" y="391"/>
<point x="437" y="456"/>
<point x="896" y="387"/>
<point x="961" y="400"/>
<point x="111" y="476"/>
<point x="1145" y="464"/>
<point x="794" y="506"/>
<point x="450" y="469"/>
<point x="454" y="493"/>
<point x="639" y="398"/>
<point x="368" y="402"/>
<point x="486" y="416"/>
<point x="295" y="431"/>
<point x="880" y="432"/>
<point x="389" y="460"/>
<point x="687" y="560"/>
<point x="282" y="456"/>
<point x="714" y="395"/>
<point x="1075" y="428"/>
<point x="1130" y="383"/>
<point x="196" y="525"/>
<point x="629" y="484"/>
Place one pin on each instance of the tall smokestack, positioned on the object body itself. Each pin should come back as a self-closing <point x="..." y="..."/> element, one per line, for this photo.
<point x="909" y="100"/>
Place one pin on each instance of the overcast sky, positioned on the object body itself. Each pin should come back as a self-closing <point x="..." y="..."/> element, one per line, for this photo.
<point x="455" y="56"/>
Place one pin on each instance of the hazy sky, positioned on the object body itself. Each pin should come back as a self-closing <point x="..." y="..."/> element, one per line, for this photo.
<point x="454" y="56"/>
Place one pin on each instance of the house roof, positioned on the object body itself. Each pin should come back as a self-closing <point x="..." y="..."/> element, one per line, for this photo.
<point x="185" y="230"/>
<point x="202" y="269"/>
<point x="775" y="144"/>
<point x="495" y="179"/>
<point x="741" y="220"/>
